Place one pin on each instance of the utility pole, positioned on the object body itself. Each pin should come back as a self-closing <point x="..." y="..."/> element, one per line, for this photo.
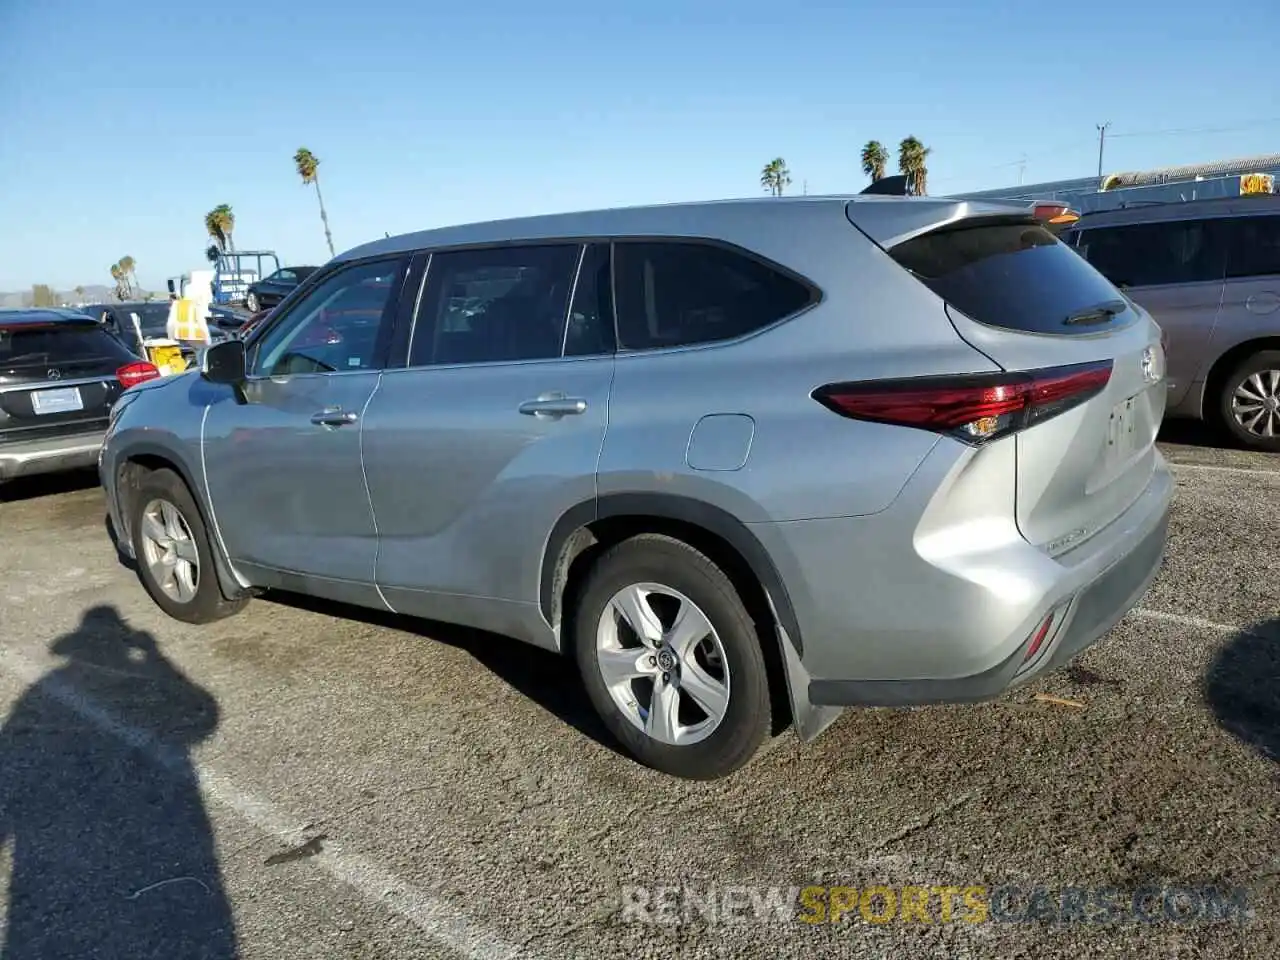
<point x="1022" y="169"/>
<point x="1102" y="139"/>
<point x="805" y="188"/>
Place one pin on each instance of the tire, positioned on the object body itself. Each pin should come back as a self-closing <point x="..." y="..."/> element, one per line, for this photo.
<point x="191" y="595"/>
<point x="1266" y="364"/>
<point x="251" y="302"/>
<point x="730" y="657"/>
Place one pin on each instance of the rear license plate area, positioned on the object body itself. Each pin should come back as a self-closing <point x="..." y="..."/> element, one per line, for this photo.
<point x="62" y="400"/>
<point x="1123" y="436"/>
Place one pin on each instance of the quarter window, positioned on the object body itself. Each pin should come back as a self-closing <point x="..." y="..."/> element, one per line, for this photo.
<point x="1253" y="246"/>
<point x="338" y="326"/>
<point x="494" y="304"/>
<point x="672" y="294"/>
<point x="1150" y="254"/>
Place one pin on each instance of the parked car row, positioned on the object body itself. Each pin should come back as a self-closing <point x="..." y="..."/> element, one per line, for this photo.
<point x="717" y="453"/>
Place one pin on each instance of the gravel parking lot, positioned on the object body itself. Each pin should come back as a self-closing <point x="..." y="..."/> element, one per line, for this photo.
<point x="312" y="781"/>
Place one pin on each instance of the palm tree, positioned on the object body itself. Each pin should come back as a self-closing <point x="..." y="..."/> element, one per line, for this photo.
<point x="775" y="176"/>
<point x="80" y="294"/>
<point x="221" y="222"/>
<point x="307" y="164"/>
<point x="127" y="267"/>
<point x="118" y="276"/>
<point x="911" y="164"/>
<point x="875" y="159"/>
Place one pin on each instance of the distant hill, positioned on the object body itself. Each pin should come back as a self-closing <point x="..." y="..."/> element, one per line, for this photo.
<point x="93" y="293"/>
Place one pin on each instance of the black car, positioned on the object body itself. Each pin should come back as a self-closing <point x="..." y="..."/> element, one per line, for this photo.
<point x="153" y="317"/>
<point x="60" y="372"/>
<point x="269" y="291"/>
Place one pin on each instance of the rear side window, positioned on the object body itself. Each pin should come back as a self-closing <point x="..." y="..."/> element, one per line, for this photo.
<point x="1150" y="254"/>
<point x="1253" y="246"/>
<point x="673" y="294"/>
<point x="29" y="346"/>
<point x="1017" y="276"/>
<point x="494" y="304"/>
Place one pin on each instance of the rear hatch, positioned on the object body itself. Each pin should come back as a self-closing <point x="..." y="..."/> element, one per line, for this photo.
<point x="57" y="378"/>
<point x="1028" y="302"/>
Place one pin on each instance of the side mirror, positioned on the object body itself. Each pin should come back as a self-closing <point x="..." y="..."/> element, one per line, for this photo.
<point x="224" y="362"/>
<point x="171" y="287"/>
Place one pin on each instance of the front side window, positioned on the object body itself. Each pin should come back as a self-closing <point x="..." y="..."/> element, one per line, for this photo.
<point x="495" y="304"/>
<point x="675" y="293"/>
<point x="1150" y="254"/>
<point x="335" y="327"/>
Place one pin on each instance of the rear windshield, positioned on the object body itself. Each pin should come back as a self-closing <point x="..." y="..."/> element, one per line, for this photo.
<point x="1014" y="275"/>
<point x="23" y="347"/>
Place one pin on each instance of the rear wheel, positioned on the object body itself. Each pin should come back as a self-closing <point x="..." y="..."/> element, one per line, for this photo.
<point x="173" y="553"/>
<point x="671" y="659"/>
<point x="1249" y="402"/>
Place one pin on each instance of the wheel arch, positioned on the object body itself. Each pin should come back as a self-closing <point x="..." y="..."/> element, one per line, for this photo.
<point x="138" y="460"/>
<point x="585" y="530"/>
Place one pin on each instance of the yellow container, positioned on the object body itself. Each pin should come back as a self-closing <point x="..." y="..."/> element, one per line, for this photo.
<point x="167" y="356"/>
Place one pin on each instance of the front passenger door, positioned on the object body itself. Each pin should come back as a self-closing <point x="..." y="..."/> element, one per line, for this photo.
<point x="284" y="468"/>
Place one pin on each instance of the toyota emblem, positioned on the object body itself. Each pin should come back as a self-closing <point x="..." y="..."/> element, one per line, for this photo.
<point x="54" y="374"/>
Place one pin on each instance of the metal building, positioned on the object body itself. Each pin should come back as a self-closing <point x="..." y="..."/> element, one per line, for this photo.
<point x="1225" y="178"/>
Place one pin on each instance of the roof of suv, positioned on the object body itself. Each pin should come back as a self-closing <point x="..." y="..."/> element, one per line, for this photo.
<point x="691" y="219"/>
<point x="43" y="315"/>
<point x="1265" y="203"/>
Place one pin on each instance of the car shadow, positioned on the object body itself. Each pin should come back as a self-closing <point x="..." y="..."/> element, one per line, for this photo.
<point x="546" y="678"/>
<point x="1242" y="687"/>
<point x="48" y="485"/>
<point x="112" y="851"/>
<point x="1193" y="433"/>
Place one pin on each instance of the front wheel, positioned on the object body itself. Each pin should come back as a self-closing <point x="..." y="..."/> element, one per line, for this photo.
<point x="173" y="553"/>
<point x="251" y="302"/>
<point x="1249" y="404"/>
<point x="672" y="659"/>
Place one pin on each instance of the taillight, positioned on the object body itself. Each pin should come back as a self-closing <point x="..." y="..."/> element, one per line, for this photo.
<point x="132" y="374"/>
<point x="973" y="408"/>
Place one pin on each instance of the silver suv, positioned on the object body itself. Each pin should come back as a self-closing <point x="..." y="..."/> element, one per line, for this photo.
<point x="1209" y="272"/>
<point x="747" y="462"/>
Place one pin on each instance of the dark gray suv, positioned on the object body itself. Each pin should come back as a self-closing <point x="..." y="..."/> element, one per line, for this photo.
<point x="1208" y="271"/>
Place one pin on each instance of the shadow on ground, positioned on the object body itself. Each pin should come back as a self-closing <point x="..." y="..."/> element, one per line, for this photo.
<point x="546" y="678"/>
<point x="1194" y="433"/>
<point x="1242" y="687"/>
<point x="112" y="851"/>
<point x="48" y="485"/>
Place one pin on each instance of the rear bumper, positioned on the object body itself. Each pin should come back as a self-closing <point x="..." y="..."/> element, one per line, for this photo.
<point x="908" y="607"/>
<point x="55" y="455"/>
<point x="1082" y="621"/>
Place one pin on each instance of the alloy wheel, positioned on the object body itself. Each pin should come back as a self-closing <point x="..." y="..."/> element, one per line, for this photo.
<point x="1255" y="404"/>
<point x="663" y="663"/>
<point x="169" y="551"/>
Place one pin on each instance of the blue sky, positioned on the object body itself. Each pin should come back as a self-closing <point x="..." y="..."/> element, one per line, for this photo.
<point x="122" y="124"/>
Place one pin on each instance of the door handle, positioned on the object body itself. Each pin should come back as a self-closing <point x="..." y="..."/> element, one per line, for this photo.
<point x="333" y="417"/>
<point x="553" y="406"/>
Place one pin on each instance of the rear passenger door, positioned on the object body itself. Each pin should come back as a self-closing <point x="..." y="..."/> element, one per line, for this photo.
<point x="492" y="429"/>
<point x="1251" y="298"/>
<point x="1175" y="270"/>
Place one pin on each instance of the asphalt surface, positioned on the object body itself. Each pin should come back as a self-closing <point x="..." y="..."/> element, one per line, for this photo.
<point x="311" y="781"/>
